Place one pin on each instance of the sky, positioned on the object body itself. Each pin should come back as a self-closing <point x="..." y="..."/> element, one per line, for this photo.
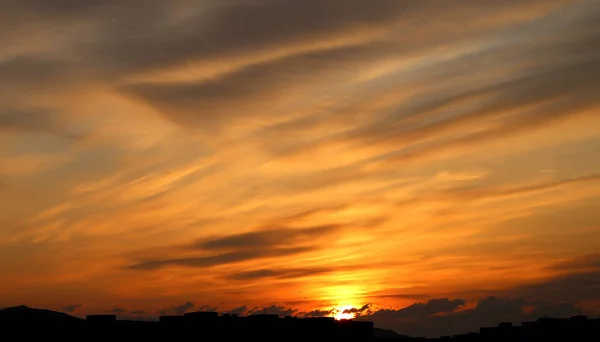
<point x="430" y="165"/>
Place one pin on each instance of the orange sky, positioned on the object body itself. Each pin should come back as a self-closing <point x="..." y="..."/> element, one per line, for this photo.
<point x="307" y="155"/>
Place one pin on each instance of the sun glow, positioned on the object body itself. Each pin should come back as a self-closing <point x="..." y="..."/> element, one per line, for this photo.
<point x="339" y="313"/>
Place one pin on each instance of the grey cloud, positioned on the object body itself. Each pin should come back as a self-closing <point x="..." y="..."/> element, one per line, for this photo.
<point x="559" y="296"/>
<point x="220" y="259"/>
<point x="218" y="29"/>
<point x="474" y="193"/>
<point x="553" y="309"/>
<point x="284" y="273"/>
<point x="234" y="28"/>
<point x="178" y="310"/>
<point x="280" y="310"/>
<point x="574" y="287"/>
<point x="38" y="121"/>
<point x="266" y="238"/>
<point x="71" y="308"/>
<point x="363" y="310"/>
<point x="545" y="94"/>
<point x="565" y="71"/>
<point x="118" y="309"/>
<point x="21" y="80"/>
<point x="575" y="91"/>
<point x="543" y="115"/>
<point x="138" y="312"/>
<point x="424" y="319"/>
<point x="431" y="307"/>
<point x="437" y="317"/>
<point x="254" y="87"/>
<point x="584" y="263"/>
<point x="316" y="313"/>
<point x="153" y="37"/>
<point x="137" y="33"/>
<point x="273" y="310"/>
<point x="34" y="120"/>
<point x="24" y="14"/>
<point x="23" y="73"/>
<point x="209" y="308"/>
<point x="183" y="308"/>
<point x="238" y="311"/>
<point x="265" y="243"/>
<point x="57" y="7"/>
<point x="573" y="85"/>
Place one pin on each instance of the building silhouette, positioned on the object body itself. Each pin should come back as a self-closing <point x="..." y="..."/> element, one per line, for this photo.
<point x="101" y="318"/>
<point x="576" y="328"/>
<point x="37" y="324"/>
<point x="266" y="326"/>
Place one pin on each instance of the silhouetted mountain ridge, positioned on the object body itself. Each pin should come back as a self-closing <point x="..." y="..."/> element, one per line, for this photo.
<point x="24" y="313"/>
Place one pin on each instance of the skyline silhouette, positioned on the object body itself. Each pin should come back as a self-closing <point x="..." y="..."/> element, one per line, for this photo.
<point x="51" y="324"/>
<point x="431" y="320"/>
<point x="431" y="166"/>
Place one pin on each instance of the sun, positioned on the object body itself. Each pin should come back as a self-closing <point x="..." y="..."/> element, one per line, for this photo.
<point x="338" y="313"/>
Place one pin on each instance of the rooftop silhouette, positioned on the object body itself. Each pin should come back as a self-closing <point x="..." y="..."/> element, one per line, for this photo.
<point x="209" y="325"/>
<point x="575" y="328"/>
<point x="37" y="323"/>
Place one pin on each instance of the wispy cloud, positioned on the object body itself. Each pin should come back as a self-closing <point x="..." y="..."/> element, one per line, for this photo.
<point x="326" y="154"/>
<point x="247" y="246"/>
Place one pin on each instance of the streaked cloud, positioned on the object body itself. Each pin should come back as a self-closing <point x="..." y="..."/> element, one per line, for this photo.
<point x="300" y="157"/>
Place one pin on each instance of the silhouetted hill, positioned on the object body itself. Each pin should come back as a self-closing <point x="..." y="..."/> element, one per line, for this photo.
<point x="386" y="334"/>
<point x="23" y="313"/>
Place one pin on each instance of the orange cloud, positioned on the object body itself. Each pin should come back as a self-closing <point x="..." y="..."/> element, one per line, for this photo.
<point x="302" y="158"/>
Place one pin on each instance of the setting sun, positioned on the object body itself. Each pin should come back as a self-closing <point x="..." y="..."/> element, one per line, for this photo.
<point x="339" y="313"/>
<point x="326" y="160"/>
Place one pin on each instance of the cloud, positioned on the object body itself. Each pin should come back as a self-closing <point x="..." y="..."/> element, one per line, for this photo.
<point x="431" y="307"/>
<point x="26" y="72"/>
<point x="209" y="308"/>
<point x="317" y="313"/>
<point x="40" y="121"/>
<point x="246" y="246"/>
<point x="363" y="310"/>
<point x="118" y="310"/>
<point x="240" y="310"/>
<point x="71" y="308"/>
<point x="567" y="293"/>
<point x="281" y="273"/>
<point x="186" y="102"/>
<point x="266" y="239"/>
<point x="553" y="90"/>
<point x="198" y="39"/>
<point x="576" y="287"/>
<point x="193" y="137"/>
<point x="490" y="192"/>
<point x="219" y="259"/>
<point x="272" y="310"/>
<point x="36" y="120"/>
<point x="590" y="262"/>
<point x="138" y="312"/>
<point x="438" y="317"/>
<point x="177" y="310"/>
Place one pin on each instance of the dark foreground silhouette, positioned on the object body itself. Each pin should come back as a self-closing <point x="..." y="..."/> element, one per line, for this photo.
<point x="26" y="323"/>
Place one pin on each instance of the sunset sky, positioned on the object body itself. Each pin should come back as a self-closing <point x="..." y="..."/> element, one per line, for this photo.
<point x="406" y="160"/>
